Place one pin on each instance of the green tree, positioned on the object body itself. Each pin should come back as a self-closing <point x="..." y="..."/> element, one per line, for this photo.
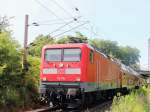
<point x="127" y="55"/>
<point x="110" y="48"/>
<point x="4" y="23"/>
<point x="36" y="46"/>
<point x="32" y="75"/>
<point x="78" y="38"/>
<point x="130" y="56"/>
<point x="10" y="71"/>
<point x="63" y="40"/>
<point x="9" y="54"/>
<point x="31" y="80"/>
<point x="17" y="88"/>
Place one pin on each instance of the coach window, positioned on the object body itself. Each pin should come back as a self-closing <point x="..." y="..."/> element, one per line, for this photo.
<point x="91" y="56"/>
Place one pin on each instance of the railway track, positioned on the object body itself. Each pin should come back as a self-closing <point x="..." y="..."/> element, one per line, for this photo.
<point x="99" y="107"/>
<point x="43" y="109"/>
<point x="46" y="109"/>
<point x="102" y="107"/>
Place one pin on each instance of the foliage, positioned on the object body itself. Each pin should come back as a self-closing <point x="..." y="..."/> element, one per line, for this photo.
<point x="4" y="23"/>
<point x="32" y="75"/>
<point x="127" y="55"/>
<point x="9" y="55"/>
<point x="10" y="69"/>
<point x="36" y="46"/>
<point x="29" y="90"/>
<point x="108" y="47"/>
<point x="79" y="38"/>
<point x="10" y="97"/>
<point x="137" y="101"/>
<point x="18" y="89"/>
<point x="63" y="40"/>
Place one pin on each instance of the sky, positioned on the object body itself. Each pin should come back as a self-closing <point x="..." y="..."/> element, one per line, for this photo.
<point x="124" y="21"/>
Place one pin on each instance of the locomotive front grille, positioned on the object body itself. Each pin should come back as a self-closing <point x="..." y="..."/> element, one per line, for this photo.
<point x="61" y="84"/>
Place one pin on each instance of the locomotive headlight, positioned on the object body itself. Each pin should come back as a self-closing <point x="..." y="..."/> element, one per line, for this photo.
<point x="44" y="78"/>
<point x="73" y="71"/>
<point x="49" y="71"/>
<point x="78" y="79"/>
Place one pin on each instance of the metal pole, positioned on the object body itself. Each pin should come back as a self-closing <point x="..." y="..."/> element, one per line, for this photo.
<point x="149" y="54"/>
<point x="25" y="43"/>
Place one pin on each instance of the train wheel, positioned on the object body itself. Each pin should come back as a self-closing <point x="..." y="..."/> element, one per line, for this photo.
<point x="88" y="99"/>
<point x="75" y="104"/>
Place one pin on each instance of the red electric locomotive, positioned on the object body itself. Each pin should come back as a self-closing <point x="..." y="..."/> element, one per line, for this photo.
<point x="73" y="73"/>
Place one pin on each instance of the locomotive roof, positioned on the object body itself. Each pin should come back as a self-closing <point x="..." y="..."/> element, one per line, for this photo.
<point x="65" y="45"/>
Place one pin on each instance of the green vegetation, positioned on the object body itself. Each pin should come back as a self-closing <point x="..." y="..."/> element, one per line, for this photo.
<point x="18" y="89"/>
<point x="78" y="38"/>
<point x="36" y="46"/>
<point x="127" y="55"/>
<point x="4" y="23"/>
<point x="137" y="101"/>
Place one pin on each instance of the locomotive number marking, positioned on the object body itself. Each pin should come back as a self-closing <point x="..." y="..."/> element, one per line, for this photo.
<point x="61" y="78"/>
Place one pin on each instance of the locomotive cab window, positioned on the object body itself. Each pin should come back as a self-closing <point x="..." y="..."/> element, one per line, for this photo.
<point x="73" y="54"/>
<point x="53" y="55"/>
<point x="91" y="57"/>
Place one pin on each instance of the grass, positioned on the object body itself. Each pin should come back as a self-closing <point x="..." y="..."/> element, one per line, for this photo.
<point x="136" y="101"/>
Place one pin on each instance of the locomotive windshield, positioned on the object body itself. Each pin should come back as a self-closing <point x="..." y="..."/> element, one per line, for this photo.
<point x="71" y="54"/>
<point x="53" y="55"/>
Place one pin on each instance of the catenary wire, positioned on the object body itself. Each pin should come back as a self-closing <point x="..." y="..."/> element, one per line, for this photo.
<point x="71" y="29"/>
<point x="49" y="10"/>
<point x="55" y="20"/>
<point x="62" y="8"/>
<point x="62" y="26"/>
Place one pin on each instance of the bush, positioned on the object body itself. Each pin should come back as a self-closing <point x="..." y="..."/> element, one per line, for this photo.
<point x="18" y="89"/>
<point x="10" y="99"/>
<point x="31" y="80"/>
<point x="137" y="101"/>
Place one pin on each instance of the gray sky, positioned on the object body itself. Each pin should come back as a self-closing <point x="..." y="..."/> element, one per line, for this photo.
<point x="124" y="21"/>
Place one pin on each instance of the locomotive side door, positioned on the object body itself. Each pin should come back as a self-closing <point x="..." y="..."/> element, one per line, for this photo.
<point x="97" y="73"/>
